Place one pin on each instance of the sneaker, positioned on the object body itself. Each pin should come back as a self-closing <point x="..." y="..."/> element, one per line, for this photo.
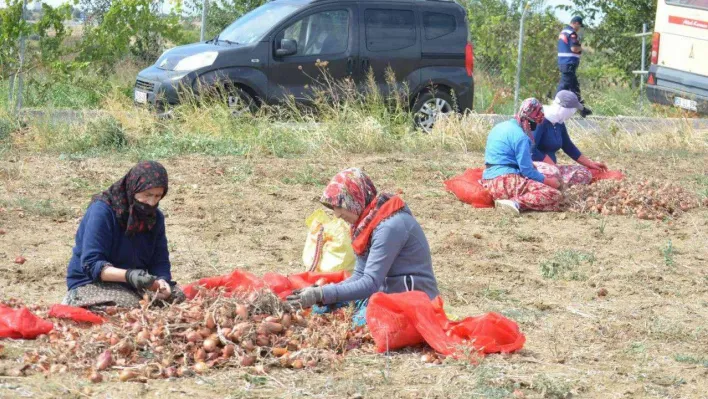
<point x="586" y="112"/>
<point x="507" y="206"/>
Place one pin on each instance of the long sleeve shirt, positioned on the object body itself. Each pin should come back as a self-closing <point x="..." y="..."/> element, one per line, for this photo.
<point x="508" y="151"/>
<point x="398" y="261"/>
<point x="549" y="138"/>
<point x="100" y="240"/>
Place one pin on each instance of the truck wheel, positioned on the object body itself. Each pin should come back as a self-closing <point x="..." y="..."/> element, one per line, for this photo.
<point x="430" y="107"/>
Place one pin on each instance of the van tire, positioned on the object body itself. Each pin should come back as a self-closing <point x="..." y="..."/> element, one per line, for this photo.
<point x="431" y="105"/>
<point x="240" y="102"/>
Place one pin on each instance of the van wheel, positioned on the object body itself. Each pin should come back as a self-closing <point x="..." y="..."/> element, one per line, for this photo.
<point x="430" y="107"/>
<point x="240" y="102"/>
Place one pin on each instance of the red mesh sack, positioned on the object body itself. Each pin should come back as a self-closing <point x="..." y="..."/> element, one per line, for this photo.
<point x="467" y="189"/>
<point x="22" y="324"/>
<point x="74" y="313"/>
<point x="606" y="175"/>
<point x="410" y="318"/>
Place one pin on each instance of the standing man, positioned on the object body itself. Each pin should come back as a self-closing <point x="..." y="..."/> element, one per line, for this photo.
<point x="569" y="51"/>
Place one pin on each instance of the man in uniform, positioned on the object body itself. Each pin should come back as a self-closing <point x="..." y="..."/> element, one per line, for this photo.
<point x="569" y="51"/>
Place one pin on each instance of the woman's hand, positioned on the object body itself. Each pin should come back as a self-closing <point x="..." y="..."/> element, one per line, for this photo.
<point x="553" y="182"/>
<point x="590" y="164"/>
<point x="164" y="290"/>
<point x="598" y="165"/>
<point x="305" y="298"/>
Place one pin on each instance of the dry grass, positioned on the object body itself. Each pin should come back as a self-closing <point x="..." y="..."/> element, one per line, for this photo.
<point x="645" y="338"/>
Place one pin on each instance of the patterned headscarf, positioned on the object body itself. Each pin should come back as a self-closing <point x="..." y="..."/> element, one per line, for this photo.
<point x="350" y="189"/>
<point x="353" y="190"/>
<point x="121" y="196"/>
<point x="531" y="110"/>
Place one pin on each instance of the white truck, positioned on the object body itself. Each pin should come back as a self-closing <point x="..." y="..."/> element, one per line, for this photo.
<point x="678" y="74"/>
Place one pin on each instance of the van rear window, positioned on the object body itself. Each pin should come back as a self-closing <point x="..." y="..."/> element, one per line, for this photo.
<point x="700" y="4"/>
<point x="438" y="25"/>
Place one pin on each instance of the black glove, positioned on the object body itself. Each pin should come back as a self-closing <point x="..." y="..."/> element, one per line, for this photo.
<point x="305" y="298"/>
<point x="139" y="279"/>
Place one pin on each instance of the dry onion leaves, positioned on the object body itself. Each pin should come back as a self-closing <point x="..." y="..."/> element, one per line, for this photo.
<point x="210" y="331"/>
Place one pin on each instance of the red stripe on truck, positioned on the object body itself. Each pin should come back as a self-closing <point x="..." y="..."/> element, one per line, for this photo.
<point x="688" y="22"/>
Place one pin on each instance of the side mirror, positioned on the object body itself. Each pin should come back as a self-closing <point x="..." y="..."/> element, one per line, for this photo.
<point x="287" y="47"/>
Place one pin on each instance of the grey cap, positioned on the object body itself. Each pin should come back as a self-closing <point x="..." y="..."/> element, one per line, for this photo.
<point x="568" y="99"/>
<point x="577" y="19"/>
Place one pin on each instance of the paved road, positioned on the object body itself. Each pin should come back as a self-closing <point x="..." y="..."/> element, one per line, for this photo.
<point x="593" y="124"/>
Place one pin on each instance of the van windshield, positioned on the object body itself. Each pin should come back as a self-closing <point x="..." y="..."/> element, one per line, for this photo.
<point x="251" y="27"/>
<point x="700" y="4"/>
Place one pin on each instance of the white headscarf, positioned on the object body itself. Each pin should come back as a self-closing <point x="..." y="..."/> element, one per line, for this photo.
<point x="557" y="114"/>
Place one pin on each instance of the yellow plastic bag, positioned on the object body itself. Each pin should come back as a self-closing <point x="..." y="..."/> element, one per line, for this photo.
<point x="328" y="247"/>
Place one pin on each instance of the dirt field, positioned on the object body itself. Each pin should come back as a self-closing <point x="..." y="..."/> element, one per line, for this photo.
<point x="648" y="337"/>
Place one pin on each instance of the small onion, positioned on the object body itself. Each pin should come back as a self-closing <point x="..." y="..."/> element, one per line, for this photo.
<point x="210" y="344"/>
<point x="127" y="375"/>
<point x="297" y="364"/>
<point x="228" y="351"/>
<point x="205" y="332"/>
<point x="201" y="367"/>
<point x="286" y="320"/>
<point x="262" y="340"/>
<point x="200" y="355"/>
<point x="194" y="336"/>
<point x="210" y="323"/>
<point x="104" y="361"/>
<point x="248" y="360"/>
<point x="96" y="377"/>
<point x="242" y="311"/>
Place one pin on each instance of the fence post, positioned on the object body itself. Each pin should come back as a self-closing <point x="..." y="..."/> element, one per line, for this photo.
<point x="205" y="4"/>
<point x="641" y="77"/>
<point x="18" y="96"/>
<point x="518" y="59"/>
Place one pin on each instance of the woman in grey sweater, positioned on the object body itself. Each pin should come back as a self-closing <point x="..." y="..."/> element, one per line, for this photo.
<point x="392" y="252"/>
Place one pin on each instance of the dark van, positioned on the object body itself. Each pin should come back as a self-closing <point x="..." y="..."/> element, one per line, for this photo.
<point x="273" y="52"/>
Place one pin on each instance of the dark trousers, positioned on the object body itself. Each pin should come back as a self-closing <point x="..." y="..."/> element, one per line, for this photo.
<point x="569" y="80"/>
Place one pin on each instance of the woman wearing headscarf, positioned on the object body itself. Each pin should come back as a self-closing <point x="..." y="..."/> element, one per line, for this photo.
<point x="552" y="135"/>
<point x="509" y="174"/>
<point x="392" y="252"/>
<point x="121" y="246"/>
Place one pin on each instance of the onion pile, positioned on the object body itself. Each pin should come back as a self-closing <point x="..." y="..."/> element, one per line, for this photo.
<point x="210" y="331"/>
<point x="648" y="200"/>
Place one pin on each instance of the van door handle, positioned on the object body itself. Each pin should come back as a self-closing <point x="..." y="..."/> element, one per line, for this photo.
<point x="350" y="66"/>
<point x="365" y="65"/>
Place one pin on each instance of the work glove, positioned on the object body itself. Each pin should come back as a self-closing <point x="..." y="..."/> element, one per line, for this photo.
<point x="305" y="298"/>
<point x="139" y="279"/>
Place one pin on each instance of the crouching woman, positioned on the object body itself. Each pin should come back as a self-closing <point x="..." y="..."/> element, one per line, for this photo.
<point x="392" y="251"/>
<point x="509" y="173"/>
<point x="121" y="246"/>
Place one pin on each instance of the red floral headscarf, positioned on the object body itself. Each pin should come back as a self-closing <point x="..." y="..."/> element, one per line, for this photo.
<point x="121" y="196"/>
<point x="531" y="110"/>
<point x="353" y="190"/>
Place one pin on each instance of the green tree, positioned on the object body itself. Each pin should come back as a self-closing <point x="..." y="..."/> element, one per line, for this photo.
<point x="618" y="21"/>
<point x="130" y="27"/>
<point x="494" y="30"/>
<point x="49" y="31"/>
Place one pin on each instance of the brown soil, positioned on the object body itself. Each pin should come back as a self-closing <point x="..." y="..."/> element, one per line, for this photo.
<point x="646" y="337"/>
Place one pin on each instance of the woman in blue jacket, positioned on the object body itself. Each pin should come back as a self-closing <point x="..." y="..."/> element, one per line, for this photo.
<point x="551" y="136"/>
<point x="121" y="246"/>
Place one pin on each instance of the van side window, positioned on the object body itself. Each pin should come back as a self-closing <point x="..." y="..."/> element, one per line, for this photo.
<point x="438" y="25"/>
<point x="388" y="30"/>
<point x="323" y="33"/>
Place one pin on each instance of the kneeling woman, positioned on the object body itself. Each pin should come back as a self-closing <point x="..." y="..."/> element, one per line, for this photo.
<point x="510" y="175"/>
<point x="552" y="135"/>
<point x="392" y="252"/>
<point x="121" y="246"/>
